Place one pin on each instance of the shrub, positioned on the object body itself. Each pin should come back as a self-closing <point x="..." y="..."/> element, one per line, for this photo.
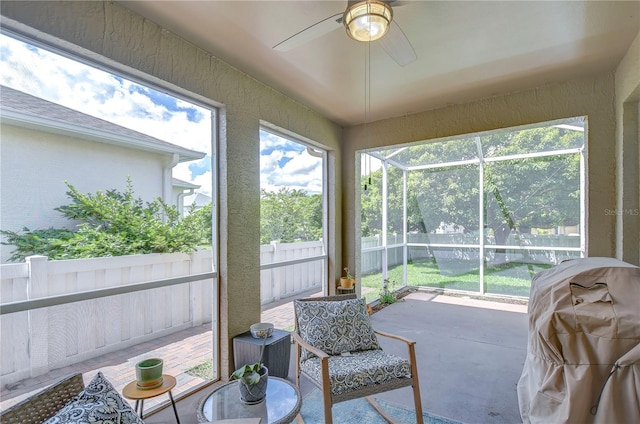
<point x="387" y="295"/>
<point x="114" y="223"/>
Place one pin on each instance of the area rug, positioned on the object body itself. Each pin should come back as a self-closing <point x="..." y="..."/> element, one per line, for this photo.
<point x="361" y="411"/>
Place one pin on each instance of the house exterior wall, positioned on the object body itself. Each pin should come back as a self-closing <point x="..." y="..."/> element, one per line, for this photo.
<point x="29" y="196"/>
<point x="176" y="194"/>
<point x="116" y="36"/>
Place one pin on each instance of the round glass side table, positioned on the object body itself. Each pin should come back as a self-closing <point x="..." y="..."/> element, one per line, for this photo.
<point x="281" y="405"/>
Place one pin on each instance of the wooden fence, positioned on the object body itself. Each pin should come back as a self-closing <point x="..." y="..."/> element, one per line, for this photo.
<point x="285" y="281"/>
<point x="40" y="340"/>
<point x="37" y="341"/>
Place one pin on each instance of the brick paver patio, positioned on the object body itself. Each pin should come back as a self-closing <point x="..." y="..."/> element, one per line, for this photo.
<point x="180" y="351"/>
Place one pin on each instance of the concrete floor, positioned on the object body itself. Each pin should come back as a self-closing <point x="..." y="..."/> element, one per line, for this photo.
<point x="470" y="356"/>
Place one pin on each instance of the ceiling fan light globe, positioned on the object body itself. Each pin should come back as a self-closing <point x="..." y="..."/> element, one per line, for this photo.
<point x="367" y="20"/>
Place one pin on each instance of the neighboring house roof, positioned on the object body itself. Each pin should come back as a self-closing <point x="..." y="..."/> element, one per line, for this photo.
<point x="201" y="200"/>
<point x="183" y="184"/>
<point x="28" y="111"/>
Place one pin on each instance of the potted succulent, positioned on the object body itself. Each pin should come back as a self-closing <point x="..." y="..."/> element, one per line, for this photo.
<point x="253" y="379"/>
<point x="348" y="280"/>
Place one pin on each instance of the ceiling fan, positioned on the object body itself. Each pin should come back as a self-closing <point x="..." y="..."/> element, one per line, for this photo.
<point x="391" y="38"/>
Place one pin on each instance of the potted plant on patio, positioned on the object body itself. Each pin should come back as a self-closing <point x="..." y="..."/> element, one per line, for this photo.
<point x="348" y="280"/>
<point x="253" y="379"/>
<point x="149" y="373"/>
<point x="387" y="295"/>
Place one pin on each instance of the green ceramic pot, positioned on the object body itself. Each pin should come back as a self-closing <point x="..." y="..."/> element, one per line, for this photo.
<point x="149" y="373"/>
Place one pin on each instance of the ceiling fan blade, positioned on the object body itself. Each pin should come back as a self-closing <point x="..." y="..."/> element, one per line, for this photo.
<point x="397" y="45"/>
<point x="314" y="31"/>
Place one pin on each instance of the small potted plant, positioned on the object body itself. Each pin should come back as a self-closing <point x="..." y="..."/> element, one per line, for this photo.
<point x="149" y="373"/>
<point x="348" y="280"/>
<point x="253" y="379"/>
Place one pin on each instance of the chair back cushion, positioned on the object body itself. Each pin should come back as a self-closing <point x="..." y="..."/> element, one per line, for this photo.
<point x="335" y="326"/>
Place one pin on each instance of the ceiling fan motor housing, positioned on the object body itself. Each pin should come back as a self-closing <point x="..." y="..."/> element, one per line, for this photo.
<point x="367" y="20"/>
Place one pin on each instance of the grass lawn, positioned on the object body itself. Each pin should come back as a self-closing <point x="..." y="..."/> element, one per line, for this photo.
<point x="203" y="370"/>
<point x="513" y="279"/>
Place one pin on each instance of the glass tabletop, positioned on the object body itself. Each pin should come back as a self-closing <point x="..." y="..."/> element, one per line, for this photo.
<point x="280" y="406"/>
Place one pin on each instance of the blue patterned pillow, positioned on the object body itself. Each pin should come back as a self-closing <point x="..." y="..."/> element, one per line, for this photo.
<point x="99" y="402"/>
<point x="335" y="326"/>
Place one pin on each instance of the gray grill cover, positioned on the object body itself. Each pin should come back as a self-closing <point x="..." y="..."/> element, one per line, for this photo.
<point x="583" y="351"/>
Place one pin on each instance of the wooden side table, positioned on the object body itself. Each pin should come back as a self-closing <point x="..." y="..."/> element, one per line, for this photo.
<point x="131" y="391"/>
<point x="344" y="290"/>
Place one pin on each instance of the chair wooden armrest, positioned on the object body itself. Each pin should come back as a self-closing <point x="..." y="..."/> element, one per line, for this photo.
<point x="393" y="336"/>
<point x="372" y="370"/>
<point x="319" y="353"/>
<point x="411" y="346"/>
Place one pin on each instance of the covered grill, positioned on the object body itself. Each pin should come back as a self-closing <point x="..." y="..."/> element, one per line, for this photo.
<point x="583" y="354"/>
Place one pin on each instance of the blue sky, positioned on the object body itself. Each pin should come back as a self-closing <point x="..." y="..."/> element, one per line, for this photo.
<point x="284" y="163"/>
<point x="101" y="94"/>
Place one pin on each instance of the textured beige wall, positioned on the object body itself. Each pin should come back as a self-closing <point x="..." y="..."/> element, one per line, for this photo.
<point x="627" y="83"/>
<point x="123" y="37"/>
<point x="592" y="97"/>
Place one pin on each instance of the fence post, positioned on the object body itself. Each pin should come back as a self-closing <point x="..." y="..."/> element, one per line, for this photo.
<point x="195" y="306"/>
<point x="37" y="287"/>
<point x="276" y="284"/>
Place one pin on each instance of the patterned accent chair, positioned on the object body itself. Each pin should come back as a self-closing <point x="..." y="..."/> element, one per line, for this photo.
<point x="338" y="351"/>
<point x="70" y="401"/>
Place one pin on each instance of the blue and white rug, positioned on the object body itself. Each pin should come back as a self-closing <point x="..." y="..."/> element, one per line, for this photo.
<point x="361" y="411"/>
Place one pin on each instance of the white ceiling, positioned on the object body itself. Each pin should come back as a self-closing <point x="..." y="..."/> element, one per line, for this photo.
<point x="466" y="49"/>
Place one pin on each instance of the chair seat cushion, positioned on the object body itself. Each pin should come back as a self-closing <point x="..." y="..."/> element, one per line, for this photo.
<point x="348" y="373"/>
<point x="335" y="326"/>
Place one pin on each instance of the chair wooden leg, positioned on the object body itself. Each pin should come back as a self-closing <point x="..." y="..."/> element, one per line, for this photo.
<point x="416" y="384"/>
<point x="328" y="416"/>
<point x="326" y="390"/>
<point x="418" y="402"/>
<point x="298" y="352"/>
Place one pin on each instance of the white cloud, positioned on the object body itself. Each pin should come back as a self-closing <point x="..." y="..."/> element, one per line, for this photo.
<point x="204" y="181"/>
<point x="100" y="94"/>
<point x="92" y="91"/>
<point x="302" y="171"/>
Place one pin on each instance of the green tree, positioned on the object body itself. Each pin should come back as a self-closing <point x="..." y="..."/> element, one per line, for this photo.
<point x="519" y="194"/>
<point x="371" y="206"/>
<point x="114" y="223"/>
<point x="290" y="215"/>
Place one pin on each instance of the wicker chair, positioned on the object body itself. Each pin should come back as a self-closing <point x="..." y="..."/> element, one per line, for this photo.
<point x="45" y="404"/>
<point x="346" y="362"/>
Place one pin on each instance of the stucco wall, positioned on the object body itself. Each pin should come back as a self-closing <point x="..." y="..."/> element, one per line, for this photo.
<point x="592" y="97"/>
<point x="155" y="54"/>
<point x="627" y="82"/>
<point x="29" y="200"/>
